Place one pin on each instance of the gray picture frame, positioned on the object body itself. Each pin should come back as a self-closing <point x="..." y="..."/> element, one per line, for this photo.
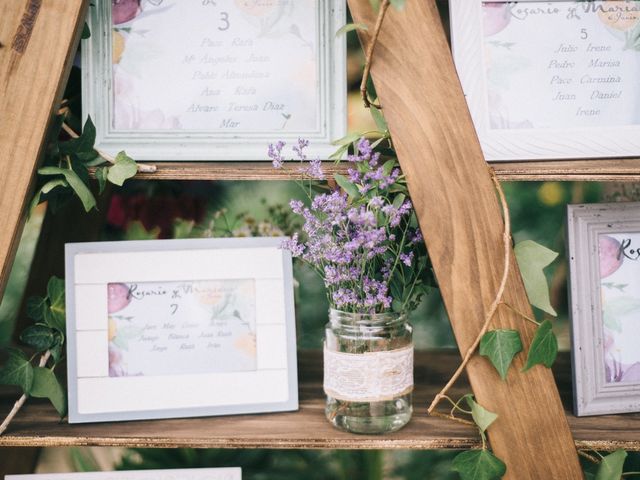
<point x="211" y="145"/>
<point x="72" y="250"/>
<point x="591" y="393"/>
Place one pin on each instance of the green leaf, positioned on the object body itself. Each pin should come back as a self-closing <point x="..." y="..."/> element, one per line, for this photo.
<point x="183" y="228"/>
<point x="544" y="347"/>
<point x="17" y="371"/>
<point x="479" y="465"/>
<point x="123" y="169"/>
<point x="482" y="417"/>
<point x="46" y="385"/>
<point x="347" y="186"/>
<point x="339" y="153"/>
<point x="83" y="144"/>
<point x="101" y="176"/>
<point x="46" y="188"/>
<point x="500" y="346"/>
<point x="618" y="307"/>
<point x="378" y="117"/>
<point x="56" y="313"/>
<point x="136" y="231"/>
<point x="86" y="33"/>
<point x="75" y="182"/>
<point x="611" y="466"/>
<point x="349" y="27"/>
<point x="39" y="337"/>
<point x="36" y="307"/>
<point x="532" y="259"/>
<point x="347" y="140"/>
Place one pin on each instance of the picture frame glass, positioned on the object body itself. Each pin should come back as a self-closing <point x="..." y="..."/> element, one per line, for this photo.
<point x="619" y="257"/>
<point x="201" y="326"/>
<point x="563" y="63"/>
<point x="214" y="80"/>
<point x="206" y="65"/>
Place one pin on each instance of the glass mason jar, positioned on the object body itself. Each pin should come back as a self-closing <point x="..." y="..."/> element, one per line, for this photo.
<point x="368" y="371"/>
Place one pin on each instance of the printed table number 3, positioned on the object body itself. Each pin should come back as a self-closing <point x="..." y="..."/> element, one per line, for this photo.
<point x="224" y="16"/>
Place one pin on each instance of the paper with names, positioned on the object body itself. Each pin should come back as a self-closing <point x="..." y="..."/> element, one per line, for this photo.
<point x="619" y="256"/>
<point x="184" y="474"/>
<point x="224" y="66"/>
<point x="562" y="64"/>
<point x="172" y="328"/>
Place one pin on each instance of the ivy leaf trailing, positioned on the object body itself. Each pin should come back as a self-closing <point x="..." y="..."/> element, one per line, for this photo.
<point x="482" y="417"/>
<point x="500" y="346"/>
<point x="65" y="173"/>
<point x="611" y="466"/>
<point x="17" y="371"/>
<point x="35" y="375"/>
<point x="479" y="465"/>
<point x="532" y="259"/>
<point x="544" y="347"/>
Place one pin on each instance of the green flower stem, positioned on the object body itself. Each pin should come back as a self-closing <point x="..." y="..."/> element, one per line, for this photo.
<point x="18" y="405"/>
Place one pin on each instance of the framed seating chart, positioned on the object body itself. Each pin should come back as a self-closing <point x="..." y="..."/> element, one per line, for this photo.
<point x="214" y="79"/>
<point x="550" y="79"/>
<point x="179" y="328"/>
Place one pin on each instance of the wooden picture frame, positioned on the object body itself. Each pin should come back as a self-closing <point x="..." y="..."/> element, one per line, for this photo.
<point x="604" y="259"/>
<point x="549" y="80"/>
<point x="247" y="76"/>
<point x="179" y="328"/>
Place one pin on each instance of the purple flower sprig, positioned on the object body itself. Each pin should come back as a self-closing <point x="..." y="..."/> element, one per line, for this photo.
<point x="362" y="238"/>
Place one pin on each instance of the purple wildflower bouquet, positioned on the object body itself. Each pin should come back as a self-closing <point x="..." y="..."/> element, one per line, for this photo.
<point x="362" y="238"/>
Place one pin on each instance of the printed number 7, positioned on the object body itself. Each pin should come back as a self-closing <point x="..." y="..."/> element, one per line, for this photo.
<point x="224" y="18"/>
<point x="583" y="34"/>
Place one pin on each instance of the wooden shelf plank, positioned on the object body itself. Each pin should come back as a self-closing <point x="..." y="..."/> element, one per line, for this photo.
<point x="37" y="424"/>
<point x="612" y="170"/>
<point x="605" y="169"/>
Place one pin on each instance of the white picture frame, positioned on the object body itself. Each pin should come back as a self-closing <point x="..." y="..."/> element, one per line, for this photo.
<point x="522" y="108"/>
<point x="180" y="474"/>
<point x="604" y="259"/>
<point x="179" y="328"/>
<point x="157" y="138"/>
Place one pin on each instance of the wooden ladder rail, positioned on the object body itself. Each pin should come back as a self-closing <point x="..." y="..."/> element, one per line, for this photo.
<point x="461" y="219"/>
<point x="38" y="39"/>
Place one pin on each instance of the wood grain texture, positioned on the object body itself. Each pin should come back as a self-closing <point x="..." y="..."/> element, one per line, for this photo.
<point x="38" y="38"/>
<point x="38" y="425"/>
<point x="462" y="223"/>
<point x="604" y="170"/>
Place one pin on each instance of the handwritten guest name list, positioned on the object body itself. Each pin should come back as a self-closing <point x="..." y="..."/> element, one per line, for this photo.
<point x="562" y="64"/>
<point x="171" y="328"/>
<point x="225" y="66"/>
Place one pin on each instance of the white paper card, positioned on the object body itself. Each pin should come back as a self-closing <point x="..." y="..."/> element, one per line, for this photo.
<point x="620" y="288"/>
<point x="172" y="328"/>
<point x="185" y="474"/>
<point x="229" y="66"/>
<point x="562" y="64"/>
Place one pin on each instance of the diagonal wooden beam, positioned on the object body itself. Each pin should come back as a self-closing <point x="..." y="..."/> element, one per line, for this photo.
<point x="462" y="223"/>
<point x="38" y="39"/>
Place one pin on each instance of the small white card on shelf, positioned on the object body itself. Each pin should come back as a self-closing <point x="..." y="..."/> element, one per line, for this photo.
<point x="185" y="474"/>
<point x="179" y="328"/>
